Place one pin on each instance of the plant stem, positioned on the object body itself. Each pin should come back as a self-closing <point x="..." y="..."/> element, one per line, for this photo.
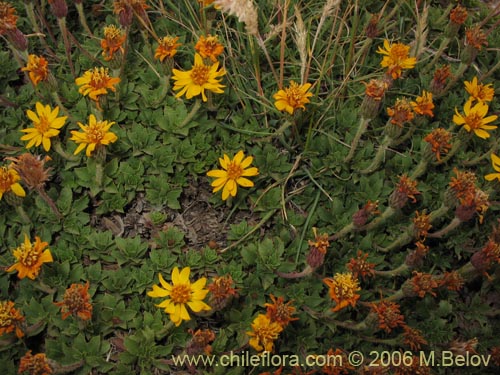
<point x="296" y="275"/>
<point x="363" y="125"/>
<point x="388" y="212"/>
<point x="22" y="214"/>
<point x="447" y="229"/>
<point x="379" y="156"/>
<point x="67" y="46"/>
<point x="191" y="114"/>
<point x="49" y="201"/>
<point x="403" y="268"/>
<point x="83" y="19"/>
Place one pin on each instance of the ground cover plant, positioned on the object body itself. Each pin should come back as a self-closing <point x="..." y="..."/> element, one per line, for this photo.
<point x="183" y="180"/>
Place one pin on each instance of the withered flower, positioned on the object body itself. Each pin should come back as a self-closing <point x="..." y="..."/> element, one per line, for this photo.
<point x="439" y="140"/>
<point x="76" y="301"/>
<point x="37" y="364"/>
<point x="360" y="217"/>
<point x="452" y="281"/>
<point x="406" y="189"/>
<point x="279" y="311"/>
<point x="360" y="266"/>
<point x="200" y="342"/>
<point x="421" y="224"/>
<point x="415" y="257"/>
<point x="440" y="80"/>
<point x="221" y="292"/>
<point x="401" y="112"/>
<point x="421" y="284"/>
<point x="412" y="337"/>
<point x="484" y="259"/>
<point x="464" y="347"/>
<point x="389" y="315"/>
<point x="32" y="170"/>
<point x="317" y="249"/>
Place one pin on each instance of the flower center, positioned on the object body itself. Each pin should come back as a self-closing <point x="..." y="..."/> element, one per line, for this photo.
<point x="44" y="124"/>
<point x="95" y="133"/>
<point x="234" y="171"/>
<point x="99" y="79"/>
<point x="5" y="180"/>
<point x="28" y="256"/>
<point x="5" y="317"/>
<point x="74" y="301"/>
<point x="399" y="53"/>
<point x="200" y="74"/>
<point x="474" y="121"/>
<point x="294" y="95"/>
<point x="181" y="293"/>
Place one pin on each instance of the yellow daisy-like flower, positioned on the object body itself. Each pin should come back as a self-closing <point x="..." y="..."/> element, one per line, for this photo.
<point x="233" y="174"/>
<point x="495" y="161"/>
<point x="396" y="58"/>
<point x="37" y="68"/>
<point x="96" y="133"/>
<point x="167" y="47"/>
<point x="96" y="82"/>
<point x="293" y="97"/>
<point x="264" y="332"/>
<point x="475" y="120"/>
<point x="200" y="78"/>
<point x="9" y="182"/>
<point x="30" y="257"/>
<point x="478" y="91"/>
<point x="46" y="125"/>
<point x="181" y="293"/>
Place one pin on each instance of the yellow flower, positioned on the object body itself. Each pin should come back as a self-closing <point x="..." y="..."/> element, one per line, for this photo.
<point x="200" y="78"/>
<point x="180" y="294"/>
<point x="396" y="58"/>
<point x="263" y="333"/>
<point x="46" y="125"/>
<point x="495" y="161"/>
<point x="8" y="182"/>
<point x="209" y="47"/>
<point x="343" y="288"/>
<point x="167" y="47"/>
<point x="112" y="42"/>
<point x="479" y="92"/>
<point x="94" y="134"/>
<point x="474" y="119"/>
<point x="423" y="105"/>
<point x="96" y="82"/>
<point x="30" y="257"/>
<point x="37" y="69"/>
<point x="233" y="174"/>
<point x="292" y="97"/>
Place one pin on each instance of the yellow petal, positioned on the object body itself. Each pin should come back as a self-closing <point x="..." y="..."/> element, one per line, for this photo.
<point x="18" y="190"/>
<point x="197" y="306"/>
<point x="245" y="182"/>
<point x="163" y="283"/>
<point x="158" y="292"/>
<point x="184" y="276"/>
